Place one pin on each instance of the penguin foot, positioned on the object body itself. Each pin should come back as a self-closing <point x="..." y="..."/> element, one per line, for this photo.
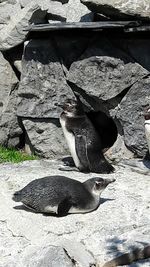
<point x="67" y="168"/>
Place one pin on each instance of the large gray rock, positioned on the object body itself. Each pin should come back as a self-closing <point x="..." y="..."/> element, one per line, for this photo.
<point x="120" y="224"/>
<point x="43" y="83"/>
<point x="76" y="11"/>
<point x="8" y="81"/>
<point x="10" y="130"/>
<point x="105" y="71"/>
<point x="130" y="112"/>
<point x="16" y="30"/>
<point x="7" y="11"/>
<point x="120" y="9"/>
<point x="45" y="137"/>
<point x="48" y="256"/>
<point x="55" y="10"/>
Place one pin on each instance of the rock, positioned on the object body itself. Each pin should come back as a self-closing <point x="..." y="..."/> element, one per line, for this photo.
<point x="130" y="116"/>
<point x="43" y="83"/>
<point x="76" y="11"/>
<point x="10" y="130"/>
<point x="120" y="9"/>
<point x="45" y="137"/>
<point x="17" y="29"/>
<point x="55" y="10"/>
<point x="118" y="151"/>
<point x="18" y="65"/>
<point x="105" y="71"/>
<point x="120" y="224"/>
<point x="8" y="81"/>
<point x="7" y="11"/>
<point x="48" y="256"/>
<point x="14" y="57"/>
<point x="78" y="253"/>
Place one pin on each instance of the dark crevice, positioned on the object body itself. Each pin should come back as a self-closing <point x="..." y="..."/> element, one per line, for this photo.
<point x="22" y="136"/>
<point x="105" y="127"/>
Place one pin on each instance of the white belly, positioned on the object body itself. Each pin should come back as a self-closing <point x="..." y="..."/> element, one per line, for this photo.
<point x="51" y="209"/>
<point x="147" y="133"/>
<point x="71" y="143"/>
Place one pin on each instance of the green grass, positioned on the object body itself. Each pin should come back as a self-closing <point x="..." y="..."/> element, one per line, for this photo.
<point x="13" y="155"/>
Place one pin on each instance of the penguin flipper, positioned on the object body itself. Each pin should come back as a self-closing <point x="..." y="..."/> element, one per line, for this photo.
<point x="80" y="143"/>
<point x="64" y="206"/>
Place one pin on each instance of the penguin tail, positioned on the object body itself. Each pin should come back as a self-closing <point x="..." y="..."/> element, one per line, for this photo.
<point x="101" y="166"/>
<point x="106" y="167"/>
<point x="17" y="196"/>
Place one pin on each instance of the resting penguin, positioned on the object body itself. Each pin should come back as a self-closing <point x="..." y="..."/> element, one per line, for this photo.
<point x="62" y="195"/>
<point x="147" y="128"/>
<point x="83" y="140"/>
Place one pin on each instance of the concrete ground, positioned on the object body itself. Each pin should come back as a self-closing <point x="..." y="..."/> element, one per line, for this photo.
<point x="121" y="223"/>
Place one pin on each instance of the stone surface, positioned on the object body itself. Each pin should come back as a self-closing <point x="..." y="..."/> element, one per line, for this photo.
<point x="121" y="8"/>
<point x="105" y="70"/>
<point x="55" y="10"/>
<point x="8" y="81"/>
<point x="48" y="256"/>
<point x="43" y="83"/>
<point x="7" y="11"/>
<point x="121" y="223"/>
<point x="76" y="11"/>
<point x="130" y="116"/>
<point x="118" y="151"/>
<point x="10" y="130"/>
<point x="15" y="31"/>
<point x="45" y="137"/>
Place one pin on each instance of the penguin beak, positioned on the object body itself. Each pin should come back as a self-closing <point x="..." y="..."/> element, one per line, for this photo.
<point x="109" y="181"/>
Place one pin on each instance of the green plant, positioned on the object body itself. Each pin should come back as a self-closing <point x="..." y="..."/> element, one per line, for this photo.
<point x="13" y="155"/>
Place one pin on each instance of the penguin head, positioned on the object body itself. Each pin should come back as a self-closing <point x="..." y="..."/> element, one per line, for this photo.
<point x="73" y="108"/>
<point x="96" y="185"/>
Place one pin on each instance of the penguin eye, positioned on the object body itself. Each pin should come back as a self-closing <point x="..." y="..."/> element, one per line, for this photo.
<point x="98" y="184"/>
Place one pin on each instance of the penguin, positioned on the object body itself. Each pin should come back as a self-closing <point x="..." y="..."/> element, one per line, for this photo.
<point x="147" y="128"/>
<point x="62" y="195"/>
<point x="83" y="140"/>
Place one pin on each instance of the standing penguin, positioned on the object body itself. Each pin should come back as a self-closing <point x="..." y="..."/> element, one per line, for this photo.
<point x="62" y="195"/>
<point x="83" y="140"/>
<point x="147" y="128"/>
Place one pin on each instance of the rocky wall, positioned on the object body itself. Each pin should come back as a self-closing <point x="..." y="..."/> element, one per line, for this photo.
<point x="109" y="69"/>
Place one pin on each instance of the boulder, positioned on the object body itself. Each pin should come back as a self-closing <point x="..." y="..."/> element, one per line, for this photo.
<point x="8" y="81"/>
<point x="130" y="112"/>
<point x="45" y="138"/>
<point x="76" y="11"/>
<point x="55" y="10"/>
<point x="16" y="30"/>
<point x="105" y="71"/>
<point x="7" y="11"/>
<point x="10" y="130"/>
<point x="120" y="9"/>
<point x="43" y="85"/>
<point x="48" y="256"/>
